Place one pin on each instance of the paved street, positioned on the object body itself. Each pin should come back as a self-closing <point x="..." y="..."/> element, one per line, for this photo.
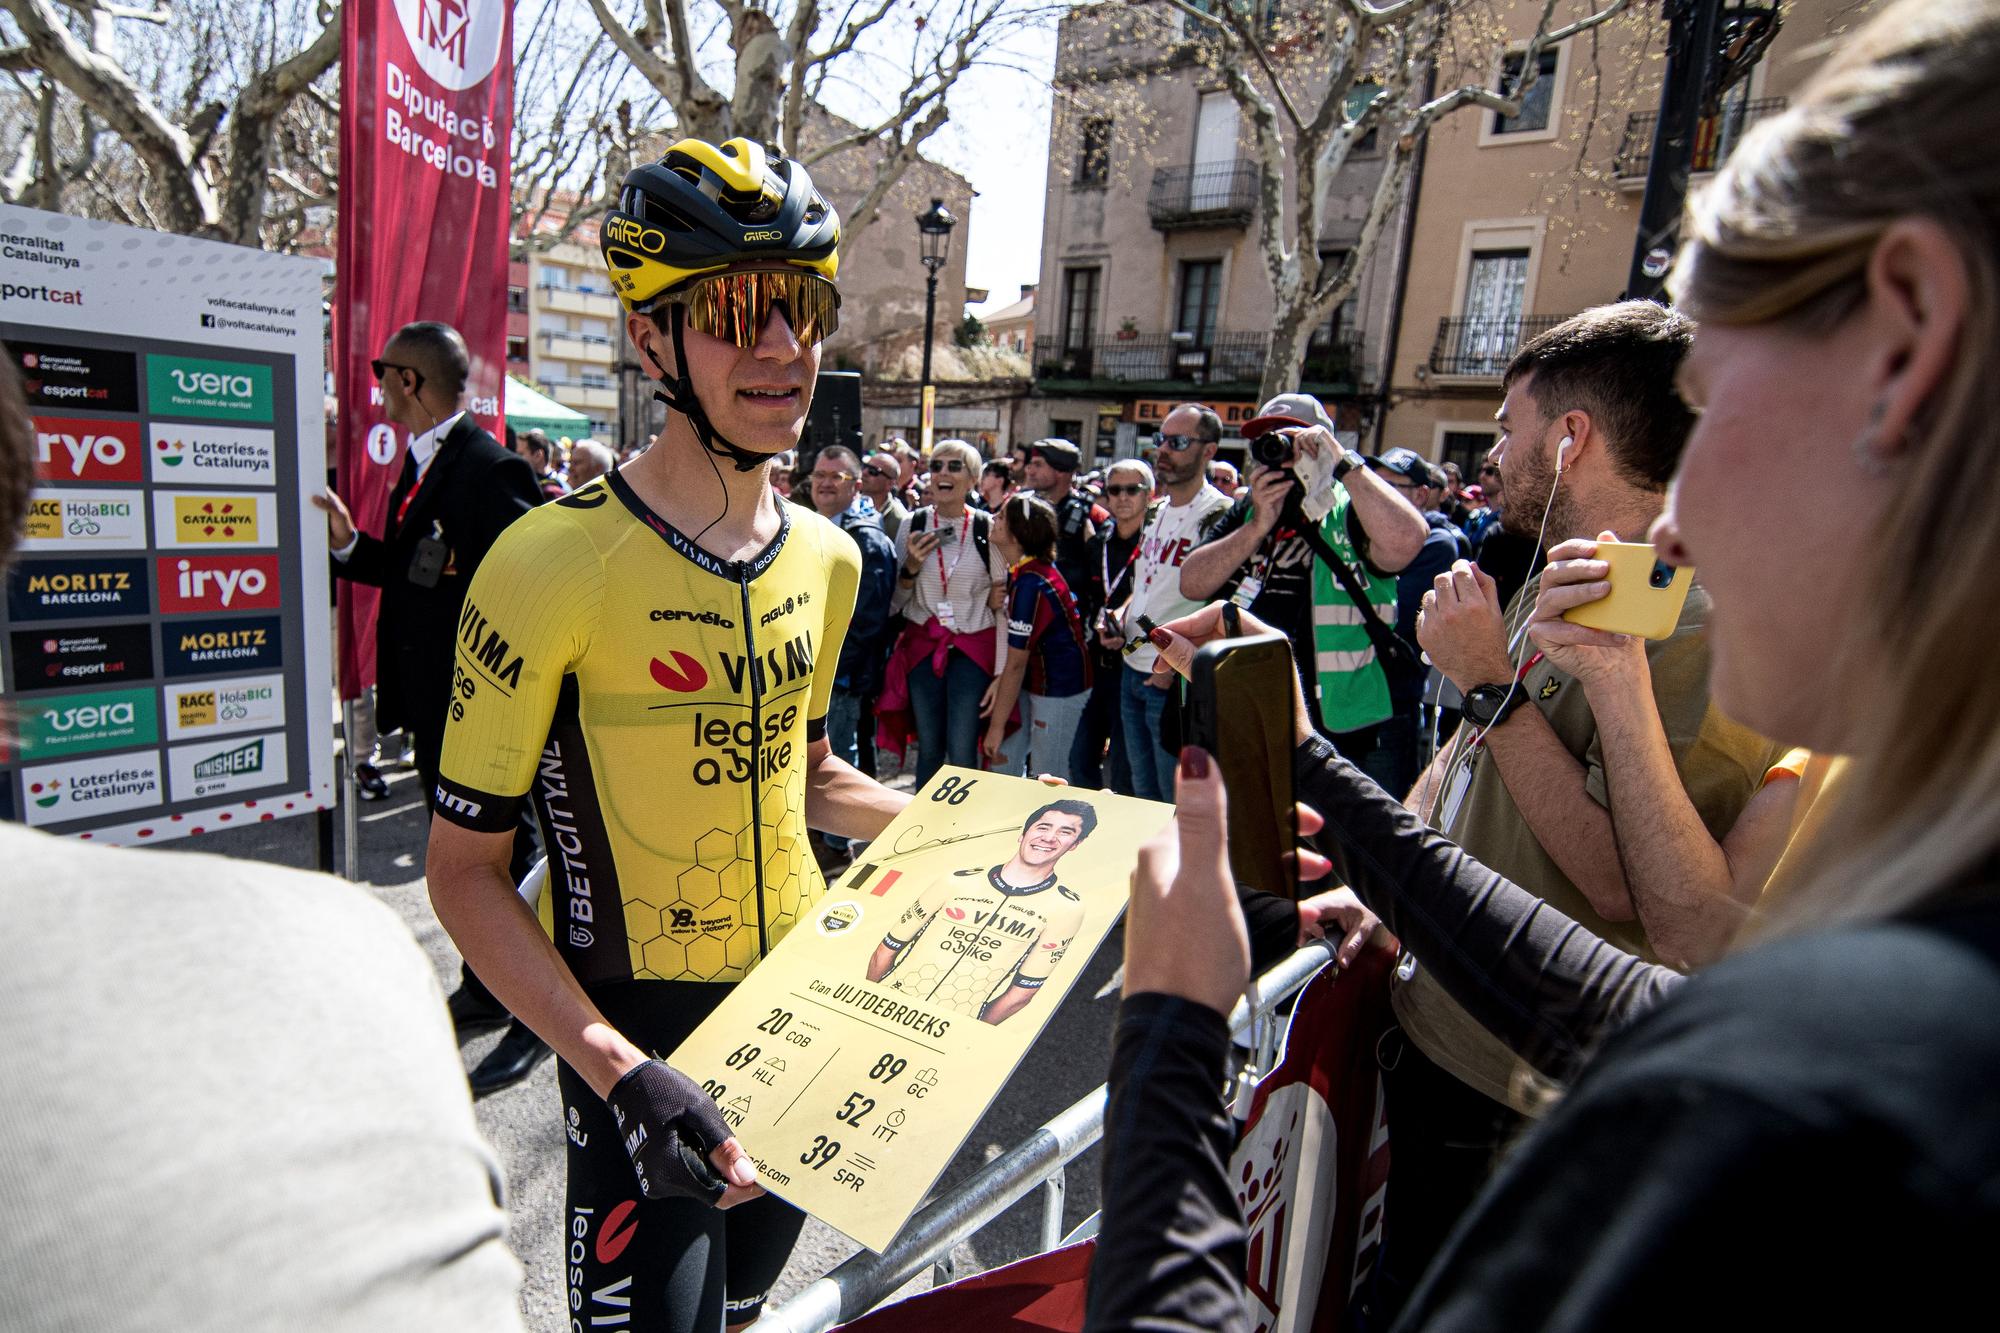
<point x="522" y="1122"/>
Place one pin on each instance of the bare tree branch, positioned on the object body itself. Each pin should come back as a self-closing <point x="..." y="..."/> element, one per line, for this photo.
<point x="258" y="107"/>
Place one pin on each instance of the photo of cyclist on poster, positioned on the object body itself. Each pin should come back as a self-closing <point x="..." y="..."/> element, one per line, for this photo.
<point x="983" y="941"/>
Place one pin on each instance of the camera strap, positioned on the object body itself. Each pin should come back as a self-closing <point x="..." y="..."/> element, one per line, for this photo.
<point x="1390" y="649"/>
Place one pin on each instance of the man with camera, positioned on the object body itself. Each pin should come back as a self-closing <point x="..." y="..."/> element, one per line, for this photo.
<point x="1313" y="548"/>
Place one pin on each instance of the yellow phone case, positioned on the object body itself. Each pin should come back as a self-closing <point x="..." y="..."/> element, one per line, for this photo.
<point x="1646" y="595"/>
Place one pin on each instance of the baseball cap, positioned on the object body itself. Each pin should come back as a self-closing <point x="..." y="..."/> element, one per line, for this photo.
<point x="1058" y="454"/>
<point x="1287" y="409"/>
<point x="1405" y="463"/>
<point x="1474" y="495"/>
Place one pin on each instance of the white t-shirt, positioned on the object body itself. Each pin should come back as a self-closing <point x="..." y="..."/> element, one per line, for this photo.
<point x="1156" y="578"/>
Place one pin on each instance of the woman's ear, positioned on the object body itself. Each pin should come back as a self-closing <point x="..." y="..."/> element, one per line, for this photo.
<point x="1918" y="294"/>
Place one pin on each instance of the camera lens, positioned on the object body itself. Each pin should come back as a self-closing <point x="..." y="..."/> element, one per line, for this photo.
<point x="1663" y="574"/>
<point x="1272" y="450"/>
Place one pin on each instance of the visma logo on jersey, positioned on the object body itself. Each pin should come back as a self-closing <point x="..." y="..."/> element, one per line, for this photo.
<point x="218" y="583"/>
<point x="73" y="450"/>
<point x="81" y="723"/>
<point x="224" y="390"/>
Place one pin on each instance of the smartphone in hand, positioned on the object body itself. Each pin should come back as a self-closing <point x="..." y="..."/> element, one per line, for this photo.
<point x="1646" y="594"/>
<point x="1240" y="702"/>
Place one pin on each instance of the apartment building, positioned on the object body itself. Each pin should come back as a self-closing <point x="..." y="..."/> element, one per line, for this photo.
<point x="1523" y="221"/>
<point x="1013" y="326"/>
<point x="576" y="331"/>
<point x="1154" y="288"/>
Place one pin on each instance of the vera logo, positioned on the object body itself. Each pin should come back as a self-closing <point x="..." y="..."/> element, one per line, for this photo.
<point x="456" y="42"/>
<point x="226" y="390"/>
<point x="685" y="676"/>
<point x="230" y="763"/>
<point x="67" y="450"/>
<point x="221" y="519"/>
<point x="80" y="723"/>
<point x="218" y="583"/>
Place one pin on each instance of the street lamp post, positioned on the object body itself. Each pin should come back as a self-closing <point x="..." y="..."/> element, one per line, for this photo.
<point x="934" y="235"/>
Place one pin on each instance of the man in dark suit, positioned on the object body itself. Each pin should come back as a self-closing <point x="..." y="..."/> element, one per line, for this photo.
<point x="458" y="491"/>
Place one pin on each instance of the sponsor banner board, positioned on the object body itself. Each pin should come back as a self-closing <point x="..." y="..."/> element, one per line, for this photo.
<point x="237" y="764"/>
<point x="63" y="657"/>
<point x="220" y="707"/>
<point x="102" y="588"/>
<point x="89" y="788"/>
<point x="186" y="386"/>
<point x="71" y="449"/>
<point x="207" y="646"/>
<point x="185" y="453"/>
<point x="197" y="583"/>
<point x="57" y="377"/>
<point x="62" y="518"/>
<point x="205" y="520"/>
<point x="57" y="725"/>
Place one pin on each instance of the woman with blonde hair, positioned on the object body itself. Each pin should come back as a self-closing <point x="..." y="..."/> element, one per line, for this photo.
<point x="1807" y="1133"/>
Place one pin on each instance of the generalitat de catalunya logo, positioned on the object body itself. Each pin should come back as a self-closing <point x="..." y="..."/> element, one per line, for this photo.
<point x="456" y="42"/>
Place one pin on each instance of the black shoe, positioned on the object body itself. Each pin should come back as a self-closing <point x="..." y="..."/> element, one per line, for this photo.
<point x="512" y="1060"/>
<point x="369" y="781"/>
<point x="472" y="1013"/>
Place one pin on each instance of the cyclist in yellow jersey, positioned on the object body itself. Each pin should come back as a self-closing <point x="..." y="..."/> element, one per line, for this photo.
<point x="983" y="942"/>
<point x="648" y="661"/>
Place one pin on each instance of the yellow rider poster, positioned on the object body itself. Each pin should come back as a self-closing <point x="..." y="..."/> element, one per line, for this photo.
<point x="857" y="1057"/>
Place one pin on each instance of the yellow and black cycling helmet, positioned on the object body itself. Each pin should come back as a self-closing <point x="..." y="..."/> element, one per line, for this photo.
<point x="704" y="207"/>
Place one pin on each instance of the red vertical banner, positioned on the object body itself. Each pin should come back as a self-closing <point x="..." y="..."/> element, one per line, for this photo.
<point x="427" y="99"/>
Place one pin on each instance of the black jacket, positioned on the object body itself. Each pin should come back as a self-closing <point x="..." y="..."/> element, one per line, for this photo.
<point x="472" y="491"/>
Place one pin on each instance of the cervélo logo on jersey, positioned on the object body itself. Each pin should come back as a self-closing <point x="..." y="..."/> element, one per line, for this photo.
<point x="84" y="788"/>
<point x="190" y="583"/>
<point x="69" y="449"/>
<point x="182" y="454"/>
<point x="186" y="386"/>
<point x="47" y="659"/>
<point x="220" y="707"/>
<point x="208" y="647"/>
<point x="102" y="589"/>
<point x="66" y="724"/>
<point x="239" y="764"/>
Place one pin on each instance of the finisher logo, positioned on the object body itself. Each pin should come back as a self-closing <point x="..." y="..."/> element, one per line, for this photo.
<point x="211" y="768"/>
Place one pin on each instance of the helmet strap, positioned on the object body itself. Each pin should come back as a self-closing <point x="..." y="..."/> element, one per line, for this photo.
<point x="679" y="396"/>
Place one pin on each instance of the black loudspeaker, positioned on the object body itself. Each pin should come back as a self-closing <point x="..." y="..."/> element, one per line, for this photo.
<point x="835" y="417"/>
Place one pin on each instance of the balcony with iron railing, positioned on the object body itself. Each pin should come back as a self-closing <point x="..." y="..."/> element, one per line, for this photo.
<point x="1183" y="198"/>
<point x="1481" y="348"/>
<point x="1164" y="362"/>
<point x="1715" y="138"/>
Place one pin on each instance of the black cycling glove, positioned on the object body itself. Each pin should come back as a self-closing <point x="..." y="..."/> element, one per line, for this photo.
<point x="669" y="1127"/>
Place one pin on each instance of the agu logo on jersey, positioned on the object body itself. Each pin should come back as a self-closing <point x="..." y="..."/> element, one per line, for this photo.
<point x="72" y="450"/>
<point x="203" y="455"/>
<point x="72" y="589"/>
<point x="212" y="768"/>
<point x="83" y="788"/>
<point x="80" y="723"/>
<point x="82" y="520"/>
<point x="198" y="387"/>
<point x="218" y="583"/>
<point x="208" y="647"/>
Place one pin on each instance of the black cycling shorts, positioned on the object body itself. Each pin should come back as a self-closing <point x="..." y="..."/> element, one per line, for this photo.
<point x="657" y="1265"/>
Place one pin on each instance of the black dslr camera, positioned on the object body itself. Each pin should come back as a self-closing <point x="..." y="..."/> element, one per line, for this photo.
<point x="1273" y="450"/>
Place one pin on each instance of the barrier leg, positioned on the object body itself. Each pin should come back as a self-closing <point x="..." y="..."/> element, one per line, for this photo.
<point x="350" y="817"/>
<point x="1053" y="1190"/>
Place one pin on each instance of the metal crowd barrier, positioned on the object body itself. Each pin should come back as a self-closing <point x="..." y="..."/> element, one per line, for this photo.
<point x="1040" y="1160"/>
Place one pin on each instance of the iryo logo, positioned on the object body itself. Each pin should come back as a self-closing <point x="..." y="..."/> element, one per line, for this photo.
<point x="218" y="583"/>
<point x="71" y="450"/>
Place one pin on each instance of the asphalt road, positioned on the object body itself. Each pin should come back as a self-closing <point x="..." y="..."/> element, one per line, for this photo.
<point x="523" y="1122"/>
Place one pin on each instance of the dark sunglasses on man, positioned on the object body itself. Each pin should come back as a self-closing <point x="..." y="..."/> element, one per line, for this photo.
<point x="382" y="368"/>
<point x="883" y="473"/>
<point x="735" y="306"/>
<point x="1176" y="443"/>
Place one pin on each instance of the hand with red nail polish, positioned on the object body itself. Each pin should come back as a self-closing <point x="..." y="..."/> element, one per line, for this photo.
<point x="1185" y="934"/>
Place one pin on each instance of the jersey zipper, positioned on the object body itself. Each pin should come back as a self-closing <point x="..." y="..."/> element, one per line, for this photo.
<point x="756" y="760"/>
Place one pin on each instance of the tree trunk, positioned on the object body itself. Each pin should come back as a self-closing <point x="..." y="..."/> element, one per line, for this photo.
<point x="1290" y="333"/>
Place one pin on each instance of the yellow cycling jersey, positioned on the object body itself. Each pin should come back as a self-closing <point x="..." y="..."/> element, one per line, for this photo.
<point x="969" y="937"/>
<point x="655" y="703"/>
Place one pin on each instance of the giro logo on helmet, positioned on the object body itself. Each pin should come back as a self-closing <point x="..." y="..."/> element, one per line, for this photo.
<point x="763" y="236"/>
<point x="625" y="231"/>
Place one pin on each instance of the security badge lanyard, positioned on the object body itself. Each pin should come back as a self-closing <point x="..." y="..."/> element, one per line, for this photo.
<point x="1461" y="776"/>
<point x="428" y="562"/>
<point x="946" y="615"/>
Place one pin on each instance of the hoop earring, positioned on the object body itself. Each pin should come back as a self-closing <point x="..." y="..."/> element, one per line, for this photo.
<point x="1872" y="454"/>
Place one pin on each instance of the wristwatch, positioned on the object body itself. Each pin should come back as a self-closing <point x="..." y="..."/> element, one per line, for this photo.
<point x="1349" y="460"/>
<point x="1487" y="706"/>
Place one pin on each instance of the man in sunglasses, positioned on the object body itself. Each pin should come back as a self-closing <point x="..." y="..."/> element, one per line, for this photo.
<point x="879" y="477"/>
<point x="459" y="489"/>
<point x="650" y="662"/>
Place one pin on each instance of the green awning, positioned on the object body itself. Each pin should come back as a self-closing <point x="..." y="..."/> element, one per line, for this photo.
<point x="528" y="408"/>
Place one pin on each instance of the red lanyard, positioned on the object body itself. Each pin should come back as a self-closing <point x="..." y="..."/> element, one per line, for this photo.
<point x="1131" y="558"/>
<point x="410" y="497"/>
<point x="944" y="575"/>
<point x="1519" y="676"/>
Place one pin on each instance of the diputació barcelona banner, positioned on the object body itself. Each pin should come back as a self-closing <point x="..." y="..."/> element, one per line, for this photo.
<point x="427" y="91"/>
